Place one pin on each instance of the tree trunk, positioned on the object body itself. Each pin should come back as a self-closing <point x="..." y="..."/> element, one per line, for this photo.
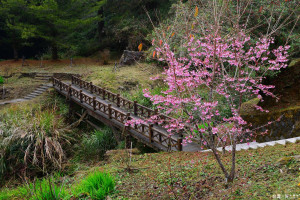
<point x="54" y="51"/>
<point x="215" y="152"/>
<point x="232" y="173"/>
<point x="16" y="55"/>
<point x="101" y="24"/>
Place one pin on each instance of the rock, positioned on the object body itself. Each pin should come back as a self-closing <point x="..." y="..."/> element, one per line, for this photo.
<point x="130" y="57"/>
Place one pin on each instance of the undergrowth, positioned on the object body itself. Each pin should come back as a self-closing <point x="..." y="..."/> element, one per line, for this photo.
<point x="95" y="144"/>
<point x="34" y="137"/>
<point x="47" y="189"/>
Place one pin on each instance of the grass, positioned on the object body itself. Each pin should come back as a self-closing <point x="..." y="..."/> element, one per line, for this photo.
<point x="177" y="175"/>
<point x="17" y="193"/>
<point x="95" y="144"/>
<point x="197" y="176"/>
<point x="47" y="189"/>
<point x="97" y="185"/>
<point x="33" y="136"/>
<point x="127" y="78"/>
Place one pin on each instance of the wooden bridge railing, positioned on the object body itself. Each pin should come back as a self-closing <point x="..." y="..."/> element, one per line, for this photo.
<point x="133" y="106"/>
<point x="147" y="130"/>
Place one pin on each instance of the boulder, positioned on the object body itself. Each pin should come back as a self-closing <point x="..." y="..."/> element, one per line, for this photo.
<point x="130" y="57"/>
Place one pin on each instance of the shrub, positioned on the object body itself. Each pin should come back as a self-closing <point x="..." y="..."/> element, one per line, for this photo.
<point x="97" y="185"/>
<point x="1" y="80"/>
<point x="95" y="145"/>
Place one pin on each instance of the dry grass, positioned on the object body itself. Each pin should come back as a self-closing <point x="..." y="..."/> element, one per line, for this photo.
<point x="125" y="78"/>
<point x="37" y="131"/>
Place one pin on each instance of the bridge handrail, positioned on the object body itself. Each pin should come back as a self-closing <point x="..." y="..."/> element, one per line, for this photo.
<point x="154" y="135"/>
<point x="137" y="109"/>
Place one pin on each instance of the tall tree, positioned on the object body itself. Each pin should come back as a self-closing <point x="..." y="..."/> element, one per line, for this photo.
<point x="56" y="20"/>
<point x="14" y="16"/>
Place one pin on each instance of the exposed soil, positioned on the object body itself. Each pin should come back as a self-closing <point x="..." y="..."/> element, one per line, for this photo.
<point x="76" y="61"/>
<point x="17" y="92"/>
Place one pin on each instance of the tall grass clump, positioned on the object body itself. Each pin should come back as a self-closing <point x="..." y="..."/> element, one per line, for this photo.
<point x="95" y="145"/>
<point x="33" y="138"/>
<point x="47" y="189"/>
<point x="97" y="185"/>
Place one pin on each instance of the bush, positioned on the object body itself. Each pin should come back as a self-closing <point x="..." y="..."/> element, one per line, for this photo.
<point x="95" y="145"/>
<point x="97" y="185"/>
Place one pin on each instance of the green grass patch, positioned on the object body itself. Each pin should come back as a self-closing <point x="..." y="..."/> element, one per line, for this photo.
<point x="1" y="80"/>
<point x="97" y="185"/>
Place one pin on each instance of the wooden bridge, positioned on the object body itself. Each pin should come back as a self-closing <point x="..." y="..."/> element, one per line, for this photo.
<point x="114" y="110"/>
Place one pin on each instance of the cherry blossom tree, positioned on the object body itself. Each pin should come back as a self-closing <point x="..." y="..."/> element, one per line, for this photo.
<point x="216" y="67"/>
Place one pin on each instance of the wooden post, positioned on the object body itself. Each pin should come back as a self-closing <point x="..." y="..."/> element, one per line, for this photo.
<point x="94" y="103"/>
<point x="71" y="111"/>
<point x="81" y="96"/>
<point x="91" y="85"/>
<point x="80" y="83"/>
<point x="159" y="138"/>
<point x="127" y="118"/>
<point x="70" y="91"/>
<point x="156" y="113"/>
<point x="127" y="141"/>
<point x="103" y="94"/>
<point x="151" y="133"/>
<point x="179" y="142"/>
<point x="109" y="111"/>
<point x="60" y="85"/>
<point x="135" y="107"/>
<point x="118" y="100"/>
<point x="72" y="79"/>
